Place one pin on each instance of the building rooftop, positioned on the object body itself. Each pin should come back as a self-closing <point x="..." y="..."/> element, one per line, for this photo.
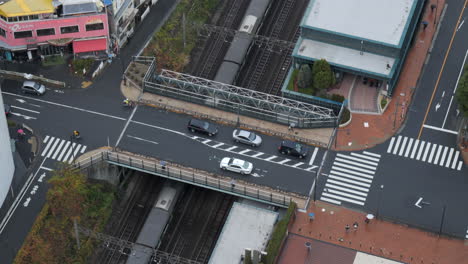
<point x="246" y="227"/>
<point x="346" y="57"/>
<point x="378" y="20"/>
<point x="14" y="8"/>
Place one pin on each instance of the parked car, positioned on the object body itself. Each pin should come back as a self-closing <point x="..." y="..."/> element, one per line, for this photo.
<point x="293" y="149"/>
<point x="33" y="88"/>
<point x="7" y="109"/>
<point x="236" y="165"/>
<point x="201" y="126"/>
<point x="246" y="137"/>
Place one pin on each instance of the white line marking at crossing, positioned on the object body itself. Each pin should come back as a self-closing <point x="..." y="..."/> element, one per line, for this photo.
<point x="69" y="152"/>
<point x="357" y="159"/>
<point x="244" y="151"/>
<point x="364" y="156"/>
<point x="330" y="200"/>
<point x="58" y="148"/>
<point x="231" y="148"/>
<point x="48" y="146"/>
<point x="449" y="158"/>
<point x="428" y="147"/>
<point x="343" y="199"/>
<point x="218" y="145"/>
<point x="389" y="149"/>
<point x="63" y="151"/>
<point x="434" y="147"/>
<point x="52" y="148"/>
<point x="353" y="172"/>
<point x="270" y="158"/>
<point x="403" y="145"/>
<point x="258" y="154"/>
<point x="443" y="156"/>
<point x="355" y="163"/>
<point x="410" y="144"/>
<point x="436" y="160"/>
<point x="45" y="139"/>
<point x="460" y="163"/>
<point x="353" y="168"/>
<point x="416" y="143"/>
<point x="421" y="148"/>
<point x="348" y="185"/>
<point x="455" y="159"/>
<point x="397" y="145"/>
<point x="372" y="154"/>
<point x="345" y="189"/>
<point x="348" y="180"/>
<point x="83" y="149"/>
<point x="313" y="156"/>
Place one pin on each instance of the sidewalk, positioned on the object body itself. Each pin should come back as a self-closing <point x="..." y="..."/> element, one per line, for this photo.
<point x="380" y="238"/>
<point x="356" y="135"/>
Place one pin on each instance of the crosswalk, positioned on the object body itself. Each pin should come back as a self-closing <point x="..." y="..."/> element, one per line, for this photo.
<point x="350" y="178"/>
<point x="426" y="152"/>
<point x="61" y="149"/>
<point x="305" y="164"/>
<point x="466" y="236"/>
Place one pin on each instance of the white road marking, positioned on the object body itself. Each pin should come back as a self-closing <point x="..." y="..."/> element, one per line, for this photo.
<point x="347" y="195"/>
<point x="74" y="154"/>
<point x="436" y="160"/>
<point x="58" y="148"/>
<point x="352" y="172"/>
<point x="355" y="163"/>
<point x="456" y="86"/>
<point x="343" y="199"/>
<point x="23" y="116"/>
<point x="206" y="141"/>
<point x="330" y="200"/>
<point x="218" y="145"/>
<point x="45" y="139"/>
<point x="354" y="168"/>
<point x="345" y="189"/>
<point x="416" y="143"/>
<point x="64" y="150"/>
<point x="313" y="156"/>
<point x="284" y="161"/>
<point x="372" y="154"/>
<point x="403" y="145"/>
<point x="460" y="163"/>
<point x="459" y="26"/>
<point x="44" y="168"/>
<point x="357" y="159"/>
<point x="441" y="129"/>
<point x="434" y="147"/>
<point x="389" y="149"/>
<point x="348" y="185"/>
<point x="449" y="157"/>
<point x="258" y="154"/>
<point x="421" y="148"/>
<point x="297" y="164"/>
<point x="244" y="151"/>
<point x="24" y="109"/>
<point x="142" y="139"/>
<point x="48" y="146"/>
<point x="270" y="158"/>
<point x="397" y="145"/>
<point x="442" y="159"/>
<point x="69" y="152"/>
<point x="455" y="159"/>
<point x="428" y="147"/>
<point x="311" y="168"/>
<point x="410" y="144"/>
<point x="364" y="156"/>
<point x="83" y="149"/>
<point x="350" y="181"/>
<point x="231" y="148"/>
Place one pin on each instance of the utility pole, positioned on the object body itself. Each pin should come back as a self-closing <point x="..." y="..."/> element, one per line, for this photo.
<point x="183" y="28"/>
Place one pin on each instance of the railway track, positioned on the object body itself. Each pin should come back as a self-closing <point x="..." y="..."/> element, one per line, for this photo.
<point x="132" y="218"/>
<point x="216" y="46"/>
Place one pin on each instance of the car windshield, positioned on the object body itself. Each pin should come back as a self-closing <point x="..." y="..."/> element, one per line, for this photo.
<point x="252" y="136"/>
<point x="298" y="147"/>
<point x="206" y="125"/>
<point x="37" y="86"/>
<point x="245" y="165"/>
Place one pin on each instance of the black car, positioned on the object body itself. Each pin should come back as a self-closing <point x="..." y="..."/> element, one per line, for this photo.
<point x="293" y="149"/>
<point x="7" y="109"/>
<point x="201" y="126"/>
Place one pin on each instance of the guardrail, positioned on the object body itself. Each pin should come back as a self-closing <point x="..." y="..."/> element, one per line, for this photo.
<point x="235" y="123"/>
<point x="195" y="177"/>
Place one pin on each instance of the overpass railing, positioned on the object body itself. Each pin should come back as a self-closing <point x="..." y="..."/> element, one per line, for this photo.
<point x="190" y="176"/>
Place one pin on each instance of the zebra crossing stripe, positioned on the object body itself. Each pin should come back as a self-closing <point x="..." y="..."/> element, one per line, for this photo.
<point x="218" y="145"/>
<point x="58" y="149"/>
<point x="397" y="145"/>
<point x="434" y="147"/>
<point x="347" y="195"/>
<point x="69" y="152"/>
<point x="455" y="159"/>
<point x="343" y="199"/>
<point x="355" y="163"/>
<point x="348" y="185"/>
<point x="414" y="148"/>
<point x="436" y="160"/>
<point x="403" y="145"/>
<point x="428" y="147"/>
<point x="410" y="144"/>
<point x="365" y="179"/>
<point x="460" y="163"/>
<point x="52" y="148"/>
<point x="349" y="181"/>
<point x="353" y="168"/>
<point x="345" y="190"/>
<point x="63" y="151"/>
<point x="83" y="149"/>
<point x="46" y="138"/>
<point x="356" y="159"/>
<point x="364" y="157"/>
<point x="47" y="146"/>
<point x="330" y="200"/>
<point x="74" y="153"/>
<point x="443" y="156"/>
<point x="390" y="145"/>
<point x="372" y="154"/>
<point x="449" y="158"/>
<point x="421" y="148"/>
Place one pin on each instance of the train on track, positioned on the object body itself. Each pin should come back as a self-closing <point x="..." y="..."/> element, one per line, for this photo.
<point x="155" y="224"/>
<point x="242" y="41"/>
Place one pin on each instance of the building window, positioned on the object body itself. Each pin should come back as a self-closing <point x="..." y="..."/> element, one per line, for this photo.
<point x="2" y="32"/>
<point x="95" y="26"/>
<point x="13" y="19"/>
<point x="45" y="32"/>
<point x="23" y="34"/>
<point x="3" y="18"/>
<point x="71" y="29"/>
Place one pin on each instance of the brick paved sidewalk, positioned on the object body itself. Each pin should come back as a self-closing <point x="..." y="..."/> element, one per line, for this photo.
<point x="380" y="238"/>
<point x="356" y="136"/>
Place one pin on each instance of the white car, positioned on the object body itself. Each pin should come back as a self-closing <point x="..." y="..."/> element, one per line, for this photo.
<point x="236" y="165"/>
<point x="246" y="137"/>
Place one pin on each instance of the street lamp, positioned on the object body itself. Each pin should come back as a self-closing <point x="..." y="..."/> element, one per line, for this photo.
<point x="378" y="200"/>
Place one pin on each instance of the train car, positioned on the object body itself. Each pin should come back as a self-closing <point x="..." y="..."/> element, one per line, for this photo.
<point x="242" y="41"/>
<point x="155" y="224"/>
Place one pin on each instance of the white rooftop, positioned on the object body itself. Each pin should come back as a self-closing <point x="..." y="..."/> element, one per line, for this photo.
<point x="245" y="227"/>
<point x="378" y="20"/>
<point x="363" y="258"/>
<point x="346" y="57"/>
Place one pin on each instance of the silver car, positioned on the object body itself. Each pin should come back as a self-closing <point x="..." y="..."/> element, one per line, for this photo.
<point x="33" y="88"/>
<point x="236" y="165"/>
<point x="246" y="137"/>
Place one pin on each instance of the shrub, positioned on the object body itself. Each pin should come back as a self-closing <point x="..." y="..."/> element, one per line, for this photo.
<point x="323" y="76"/>
<point x="462" y="92"/>
<point x="80" y="64"/>
<point x="345" y="116"/>
<point x="304" y="77"/>
<point x="278" y="234"/>
<point x="383" y="103"/>
<point x="337" y="98"/>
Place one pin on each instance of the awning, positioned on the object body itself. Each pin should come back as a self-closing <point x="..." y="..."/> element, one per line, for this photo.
<point x="89" y="45"/>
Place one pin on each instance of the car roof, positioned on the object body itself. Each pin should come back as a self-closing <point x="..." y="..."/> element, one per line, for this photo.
<point x="197" y="121"/>
<point x="238" y="162"/>
<point x="29" y="83"/>
<point x="289" y="143"/>
<point x="243" y="133"/>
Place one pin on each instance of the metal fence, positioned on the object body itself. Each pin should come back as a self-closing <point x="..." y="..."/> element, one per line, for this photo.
<point x="194" y="177"/>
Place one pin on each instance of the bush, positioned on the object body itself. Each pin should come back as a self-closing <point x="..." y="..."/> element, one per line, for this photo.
<point x="462" y="92"/>
<point x="345" y="116"/>
<point x="323" y="76"/>
<point x="337" y="98"/>
<point x="80" y="64"/>
<point x="278" y="235"/>
<point x="304" y="78"/>
<point x="383" y="103"/>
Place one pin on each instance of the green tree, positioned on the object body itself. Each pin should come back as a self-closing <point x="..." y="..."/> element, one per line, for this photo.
<point x="323" y="76"/>
<point x="462" y="92"/>
<point x="304" y="77"/>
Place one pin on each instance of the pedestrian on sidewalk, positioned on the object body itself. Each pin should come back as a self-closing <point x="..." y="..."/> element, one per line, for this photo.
<point x="368" y="218"/>
<point x="433" y="6"/>
<point x="355" y="225"/>
<point x="347" y="228"/>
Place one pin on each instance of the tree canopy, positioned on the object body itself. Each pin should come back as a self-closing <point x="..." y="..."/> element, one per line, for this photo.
<point x="462" y="92"/>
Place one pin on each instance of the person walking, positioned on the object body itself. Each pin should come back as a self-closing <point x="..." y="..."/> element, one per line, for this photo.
<point x="347" y="228"/>
<point x="355" y="226"/>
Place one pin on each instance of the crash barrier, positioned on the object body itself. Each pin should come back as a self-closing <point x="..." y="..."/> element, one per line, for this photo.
<point x="191" y="176"/>
<point x="21" y="76"/>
